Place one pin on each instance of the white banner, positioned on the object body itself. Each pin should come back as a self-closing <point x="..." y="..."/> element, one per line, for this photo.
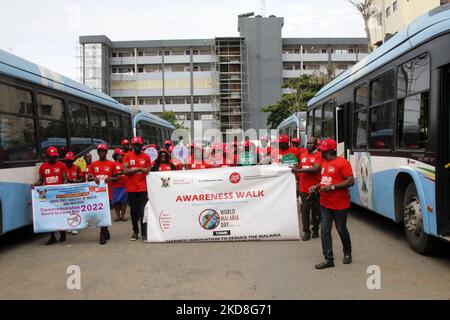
<point x="226" y="204"/>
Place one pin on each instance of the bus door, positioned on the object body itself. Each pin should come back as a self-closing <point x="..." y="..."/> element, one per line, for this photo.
<point x="443" y="189"/>
<point x="341" y="130"/>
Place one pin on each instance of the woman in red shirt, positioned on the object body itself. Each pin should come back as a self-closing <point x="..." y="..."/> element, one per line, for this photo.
<point x="163" y="162"/>
<point x="119" y="194"/>
<point x="196" y="161"/>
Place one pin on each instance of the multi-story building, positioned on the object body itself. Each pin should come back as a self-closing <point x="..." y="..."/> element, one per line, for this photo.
<point x="391" y="16"/>
<point x="219" y="83"/>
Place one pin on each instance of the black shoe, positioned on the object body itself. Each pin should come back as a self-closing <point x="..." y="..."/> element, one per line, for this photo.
<point x="102" y="240"/>
<point x="325" y="264"/>
<point x="315" y="234"/>
<point x="51" y="241"/>
<point x="63" y="237"/>
<point x="144" y="238"/>
<point x="108" y="236"/>
<point x="347" y="259"/>
<point x="306" y="236"/>
<point x="134" y="237"/>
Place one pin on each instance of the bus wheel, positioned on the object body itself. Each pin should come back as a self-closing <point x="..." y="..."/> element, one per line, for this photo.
<point x="413" y="223"/>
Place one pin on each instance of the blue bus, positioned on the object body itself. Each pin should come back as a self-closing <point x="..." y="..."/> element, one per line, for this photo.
<point x="39" y="108"/>
<point x="390" y="115"/>
<point x="295" y="127"/>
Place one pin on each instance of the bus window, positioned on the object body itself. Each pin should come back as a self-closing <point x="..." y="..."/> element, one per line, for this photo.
<point x="381" y="114"/>
<point x="17" y="130"/>
<point x="99" y="126"/>
<point x="126" y="127"/>
<point x="328" y="120"/>
<point x="413" y="83"/>
<point x="115" y="129"/>
<point x="318" y="122"/>
<point x="360" y="118"/>
<point x="52" y="125"/>
<point x="80" y="137"/>
<point x="309" y="130"/>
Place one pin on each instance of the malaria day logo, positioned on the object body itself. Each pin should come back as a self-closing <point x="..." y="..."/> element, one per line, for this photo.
<point x="74" y="220"/>
<point x="235" y="177"/>
<point x="209" y="219"/>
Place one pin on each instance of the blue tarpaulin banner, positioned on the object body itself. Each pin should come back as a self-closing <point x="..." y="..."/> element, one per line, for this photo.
<point x="70" y="207"/>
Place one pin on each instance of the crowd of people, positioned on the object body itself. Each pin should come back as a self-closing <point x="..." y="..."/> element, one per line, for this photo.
<point x="322" y="178"/>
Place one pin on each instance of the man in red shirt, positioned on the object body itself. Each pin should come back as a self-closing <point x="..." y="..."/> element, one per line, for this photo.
<point x="337" y="177"/>
<point x="285" y="154"/>
<point x="309" y="170"/>
<point x="102" y="169"/>
<point x="125" y="145"/>
<point x="52" y="172"/>
<point x="136" y="165"/>
<point x="74" y="174"/>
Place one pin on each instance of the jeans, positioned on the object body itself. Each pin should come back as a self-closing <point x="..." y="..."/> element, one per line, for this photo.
<point x="310" y="209"/>
<point x="326" y="224"/>
<point x="138" y="200"/>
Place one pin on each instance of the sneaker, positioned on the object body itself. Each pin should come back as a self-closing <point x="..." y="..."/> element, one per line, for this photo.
<point x="102" y="240"/>
<point x="134" y="237"/>
<point x="74" y="232"/>
<point x="347" y="259"/>
<point x="63" y="237"/>
<point x="144" y="238"/>
<point x="325" y="264"/>
<point x="306" y="236"/>
<point x="51" y="241"/>
<point x="315" y="234"/>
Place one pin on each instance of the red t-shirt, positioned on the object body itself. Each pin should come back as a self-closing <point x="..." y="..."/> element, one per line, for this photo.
<point x="307" y="180"/>
<point x="165" y="167"/>
<point x="278" y="154"/>
<point x="334" y="172"/>
<point x="118" y="172"/>
<point x="198" y="166"/>
<point x="73" y="173"/>
<point x="52" y="173"/>
<point x="102" y="170"/>
<point x="137" y="182"/>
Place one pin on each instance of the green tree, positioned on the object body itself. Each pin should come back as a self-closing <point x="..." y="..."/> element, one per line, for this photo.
<point x="303" y="89"/>
<point x="170" y="117"/>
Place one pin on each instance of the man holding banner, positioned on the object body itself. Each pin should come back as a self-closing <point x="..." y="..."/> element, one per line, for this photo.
<point x="52" y="172"/>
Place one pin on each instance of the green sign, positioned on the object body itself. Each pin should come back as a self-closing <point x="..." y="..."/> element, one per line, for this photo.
<point x="247" y="159"/>
<point x="289" y="159"/>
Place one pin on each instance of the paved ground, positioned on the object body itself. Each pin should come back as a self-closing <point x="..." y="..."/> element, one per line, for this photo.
<point x="254" y="270"/>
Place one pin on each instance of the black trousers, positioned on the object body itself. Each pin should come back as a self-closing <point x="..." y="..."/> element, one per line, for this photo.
<point x="137" y="201"/>
<point x="310" y="213"/>
<point x="326" y="223"/>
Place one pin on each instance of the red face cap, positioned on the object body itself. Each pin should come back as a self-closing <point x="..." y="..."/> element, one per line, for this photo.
<point x="119" y="151"/>
<point x="137" y="140"/>
<point x="295" y="140"/>
<point x="152" y="146"/>
<point x="102" y="147"/>
<point x="327" y="144"/>
<point x="69" y="156"/>
<point x="52" y="152"/>
<point x="168" y="142"/>
<point x="283" y="138"/>
<point x="125" y="142"/>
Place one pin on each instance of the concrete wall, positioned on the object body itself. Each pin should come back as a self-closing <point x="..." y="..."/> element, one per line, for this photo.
<point x="264" y="49"/>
